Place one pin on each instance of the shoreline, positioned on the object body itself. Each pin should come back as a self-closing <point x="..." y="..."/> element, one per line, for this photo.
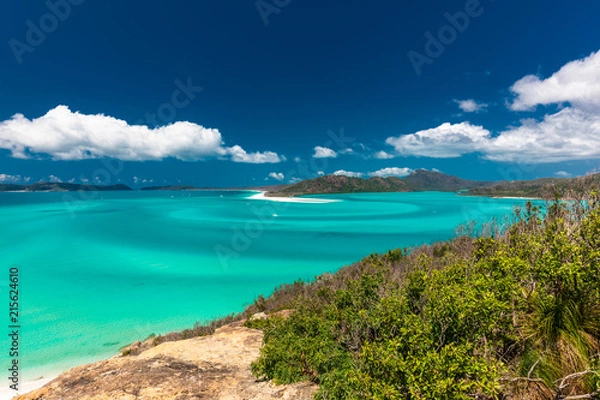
<point x="516" y="198"/>
<point x="6" y="393"/>
<point x="260" y="195"/>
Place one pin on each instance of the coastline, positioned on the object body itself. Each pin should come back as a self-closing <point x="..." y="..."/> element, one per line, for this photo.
<point x="261" y="195"/>
<point x="516" y="198"/>
<point x="7" y="393"/>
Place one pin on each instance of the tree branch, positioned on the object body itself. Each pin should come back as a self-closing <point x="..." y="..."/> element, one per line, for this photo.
<point x="533" y="366"/>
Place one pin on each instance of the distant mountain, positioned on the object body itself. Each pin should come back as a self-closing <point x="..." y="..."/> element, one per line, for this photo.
<point x="341" y="184"/>
<point x="418" y="181"/>
<point x="423" y="180"/>
<point x="541" y="188"/>
<point x="62" y="187"/>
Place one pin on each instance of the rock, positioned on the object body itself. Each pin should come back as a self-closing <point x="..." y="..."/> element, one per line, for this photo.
<point x="208" y="367"/>
<point x="258" y="316"/>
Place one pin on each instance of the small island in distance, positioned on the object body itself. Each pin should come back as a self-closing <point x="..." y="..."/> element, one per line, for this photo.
<point x="62" y="187"/>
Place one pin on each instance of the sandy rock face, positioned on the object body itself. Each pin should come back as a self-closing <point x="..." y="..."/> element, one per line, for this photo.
<point x="209" y="367"/>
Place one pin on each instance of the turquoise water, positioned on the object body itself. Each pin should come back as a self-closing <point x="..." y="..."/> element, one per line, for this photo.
<point x="97" y="273"/>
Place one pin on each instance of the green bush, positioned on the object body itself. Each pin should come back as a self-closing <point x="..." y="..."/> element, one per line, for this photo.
<point x="491" y="317"/>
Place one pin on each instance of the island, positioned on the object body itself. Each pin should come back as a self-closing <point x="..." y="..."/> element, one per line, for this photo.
<point x="418" y="181"/>
<point x="62" y="187"/>
<point x="431" y="181"/>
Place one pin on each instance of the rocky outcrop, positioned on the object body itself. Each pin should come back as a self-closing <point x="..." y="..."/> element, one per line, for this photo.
<point x="208" y="367"/>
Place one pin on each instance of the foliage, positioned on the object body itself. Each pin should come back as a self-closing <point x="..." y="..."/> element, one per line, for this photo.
<point x="513" y="315"/>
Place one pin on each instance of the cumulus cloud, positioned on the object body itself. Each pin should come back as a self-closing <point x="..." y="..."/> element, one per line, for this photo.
<point x="382" y="155"/>
<point x="324" y="152"/>
<point x="54" y="178"/>
<point x="320" y="173"/>
<point x="563" y="174"/>
<point x="66" y="135"/>
<point x="278" y="176"/>
<point x="445" y="141"/>
<point x="470" y="105"/>
<point x="6" y="178"/>
<point x="569" y="134"/>
<point x="393" y="171"/>
<point x="240" y="155"/>
<point x="349" y="174"/>
<point x="577" y="82"/>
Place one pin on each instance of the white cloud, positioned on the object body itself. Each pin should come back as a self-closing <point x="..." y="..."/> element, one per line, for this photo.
<point x="570" y="134"/>
<point x="240" y="155"/>
<point x="6" y="178"/>
<point x="470" y="105"/>
<point x="445" y="141"/>
<point x="349" y="174"/>
<point x="347" y="151"/>
<point x="394" y="171"/>
<point x="382" y="155"/>
<point x="67" y="135"/>
<point x="297" y="159"/>
<point x="278" y="176"/>
<point x="563" y="174"/>
<point x="320" y="173"/>
<point x="54" y="178"/>
<point x="324" y="152"/>
<point x="577" y="82"/>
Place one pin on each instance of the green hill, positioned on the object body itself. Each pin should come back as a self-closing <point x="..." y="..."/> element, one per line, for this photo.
<point x="541" y="188"/>
<point x="420" y="180"/>
<point x="423" y="180"/>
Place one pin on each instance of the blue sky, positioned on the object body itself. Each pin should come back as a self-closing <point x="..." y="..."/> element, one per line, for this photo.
<point x="251" y="92"/>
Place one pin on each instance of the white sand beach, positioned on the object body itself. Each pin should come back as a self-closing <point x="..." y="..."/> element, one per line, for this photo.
<point x="7" y="393"/>
<point x="261" y="196"/>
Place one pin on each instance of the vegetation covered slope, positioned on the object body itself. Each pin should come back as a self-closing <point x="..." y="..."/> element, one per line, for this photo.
<point x="545" y="187"/>
<point x="420" y="180"/>
<point x="423" y="180"/>
<point x="342" y="184"/>
<point x="513" y="314"/>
